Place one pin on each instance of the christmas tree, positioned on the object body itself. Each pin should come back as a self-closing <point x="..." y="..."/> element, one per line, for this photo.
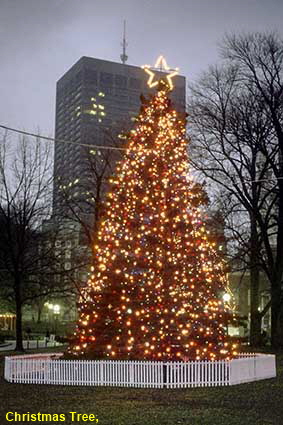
<point x="155" y="291"/>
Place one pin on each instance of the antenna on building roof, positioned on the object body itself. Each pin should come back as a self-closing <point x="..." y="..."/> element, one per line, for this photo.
<point x="123" y="56"/>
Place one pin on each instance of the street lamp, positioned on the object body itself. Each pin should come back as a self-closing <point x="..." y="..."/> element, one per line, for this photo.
<point x="55" y="308"/>
<point x="226" y="297"/>
<point x="56" y="311"/>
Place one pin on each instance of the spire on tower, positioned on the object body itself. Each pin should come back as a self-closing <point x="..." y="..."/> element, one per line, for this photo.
<point x="123" y="56"/>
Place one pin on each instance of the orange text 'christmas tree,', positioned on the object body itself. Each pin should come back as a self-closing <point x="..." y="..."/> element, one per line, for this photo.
<point x="156" y="285"/>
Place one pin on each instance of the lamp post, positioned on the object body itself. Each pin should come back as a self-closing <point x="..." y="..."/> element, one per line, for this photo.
<point x="53" y="309"/>
<point x="56" y="311"/>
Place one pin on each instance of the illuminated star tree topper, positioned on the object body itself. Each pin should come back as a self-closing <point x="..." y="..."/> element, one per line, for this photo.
<point x="161" y="66"/>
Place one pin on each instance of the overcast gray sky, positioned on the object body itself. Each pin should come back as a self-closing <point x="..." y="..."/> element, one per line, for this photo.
<point x="41" y="39"/>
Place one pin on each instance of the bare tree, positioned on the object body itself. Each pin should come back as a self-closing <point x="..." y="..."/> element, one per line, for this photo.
<point x="259" y="59"/>
<point x="230" y="126"/>
<point x="27" y="263"/>
<point x="82" y="201"/>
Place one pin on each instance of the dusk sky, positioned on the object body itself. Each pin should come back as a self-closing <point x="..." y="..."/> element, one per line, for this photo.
<point x="41" y="39"/>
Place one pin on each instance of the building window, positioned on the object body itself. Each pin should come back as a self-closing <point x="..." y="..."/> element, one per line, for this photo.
<point x="78" y="76"/>
<point x="106" y="90"/>
<point x="57" y="254"/>
<point x="106" y="78"/>
<point x="90" y="76"/>
<point x="135" y="83"/>
<point x="134" y="100"/>
<point x="67" y="266"/>
<point x="122" y="94"/>
<point x="120" y="81"/>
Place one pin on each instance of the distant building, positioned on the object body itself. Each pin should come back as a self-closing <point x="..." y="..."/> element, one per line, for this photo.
<point x="7" y="322"/>
<point x="95" y="96"/>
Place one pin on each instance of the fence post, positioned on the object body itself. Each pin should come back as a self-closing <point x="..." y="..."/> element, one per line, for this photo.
<point x="47" y="371"/>
<point x="7" y="369"/>
<point x="165" y="375"/>
<point x="229" y="373"/>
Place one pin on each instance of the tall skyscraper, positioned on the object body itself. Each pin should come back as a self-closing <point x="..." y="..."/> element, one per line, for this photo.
<point x="94" y="98"/>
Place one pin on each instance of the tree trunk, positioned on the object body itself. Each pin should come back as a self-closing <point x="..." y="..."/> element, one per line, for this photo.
<point x="280" y="325"/>
<point x="255" y="321"/>
<point x="275" y="313"/>
<point x="276" y="291"/>
<point x="255" y="329"/>
<point x="39" y="311"/>
<point x="18" y="301"/>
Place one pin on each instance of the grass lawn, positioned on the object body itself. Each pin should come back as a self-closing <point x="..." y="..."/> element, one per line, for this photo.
<point x="258" y="403"/>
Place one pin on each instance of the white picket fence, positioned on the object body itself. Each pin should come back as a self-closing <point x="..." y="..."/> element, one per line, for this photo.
<point x="50" y="369"/>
